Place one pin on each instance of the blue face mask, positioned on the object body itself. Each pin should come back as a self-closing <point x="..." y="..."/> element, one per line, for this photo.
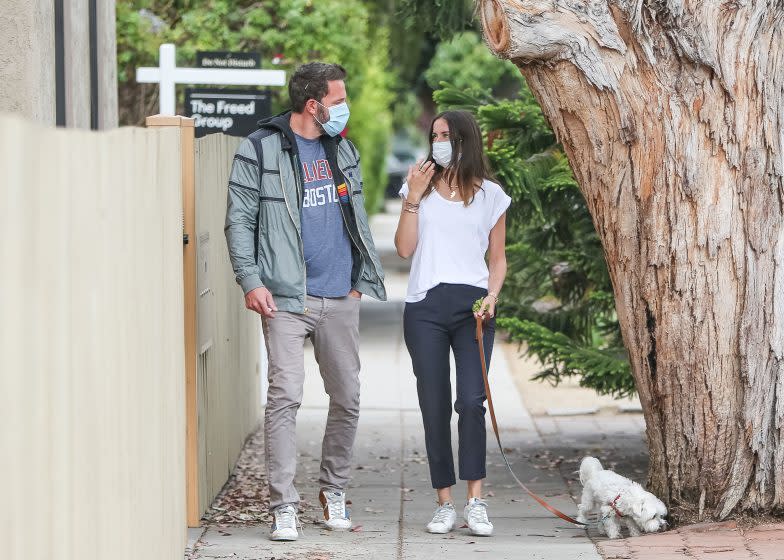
<point x="338" y="117"/>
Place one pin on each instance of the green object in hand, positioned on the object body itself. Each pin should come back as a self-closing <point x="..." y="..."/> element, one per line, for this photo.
<point x="478" y="305"/>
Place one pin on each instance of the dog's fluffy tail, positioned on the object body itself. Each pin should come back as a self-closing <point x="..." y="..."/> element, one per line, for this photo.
<point x="589" y="466"/>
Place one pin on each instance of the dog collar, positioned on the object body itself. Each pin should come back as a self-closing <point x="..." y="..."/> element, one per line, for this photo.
<point x="612" y="505"/>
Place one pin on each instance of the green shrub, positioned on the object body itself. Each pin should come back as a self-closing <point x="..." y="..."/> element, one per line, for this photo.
<point x="465" y="62"/>
<point x="370" y="126"/>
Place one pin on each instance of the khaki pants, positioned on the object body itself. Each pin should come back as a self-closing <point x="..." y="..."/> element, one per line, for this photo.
<point x="333" y="326"/>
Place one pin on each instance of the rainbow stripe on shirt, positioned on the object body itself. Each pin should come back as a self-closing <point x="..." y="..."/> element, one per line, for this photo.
<point x="343" y="193"/>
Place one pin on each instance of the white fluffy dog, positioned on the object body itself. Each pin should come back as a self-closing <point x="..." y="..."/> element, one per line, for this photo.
<point x="619" y="501"/>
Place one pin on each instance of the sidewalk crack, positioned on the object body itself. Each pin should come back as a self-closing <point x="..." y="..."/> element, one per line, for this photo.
<point x="402" y="485"/>
<point x="190" y="554"/>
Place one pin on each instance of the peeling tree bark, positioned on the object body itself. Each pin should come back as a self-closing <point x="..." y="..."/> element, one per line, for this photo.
<point x="672" y="115"/>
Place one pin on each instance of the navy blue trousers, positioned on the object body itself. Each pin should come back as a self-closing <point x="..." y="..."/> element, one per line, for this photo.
<point x="444" y="320"/>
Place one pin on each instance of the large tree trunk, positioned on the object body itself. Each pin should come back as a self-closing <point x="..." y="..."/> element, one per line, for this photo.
<point x="672" y="115"/>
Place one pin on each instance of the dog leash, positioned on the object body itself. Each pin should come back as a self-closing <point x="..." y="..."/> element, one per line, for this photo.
<point x="480" y="340"/>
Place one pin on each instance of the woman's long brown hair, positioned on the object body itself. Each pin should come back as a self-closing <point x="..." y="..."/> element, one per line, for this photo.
<point x="469" y="162"/>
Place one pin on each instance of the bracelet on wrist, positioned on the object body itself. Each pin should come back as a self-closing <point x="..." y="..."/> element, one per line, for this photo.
<point x="411" y="208"/>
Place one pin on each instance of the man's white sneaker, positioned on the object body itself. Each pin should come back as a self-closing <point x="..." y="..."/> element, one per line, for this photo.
<point x="284" y="525"/>
<point x="475" y="514"/>
<point x="336" y="516"/>
<point x="443" y="519"/>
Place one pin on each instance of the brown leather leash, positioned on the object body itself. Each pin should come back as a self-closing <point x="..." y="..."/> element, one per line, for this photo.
<point x="480" y="340"/>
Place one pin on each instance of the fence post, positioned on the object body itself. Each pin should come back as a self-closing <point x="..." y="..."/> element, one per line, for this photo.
<point x="187" y="157"/>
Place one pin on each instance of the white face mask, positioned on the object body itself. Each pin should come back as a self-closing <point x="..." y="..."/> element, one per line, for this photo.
<point x="442" y="153"/>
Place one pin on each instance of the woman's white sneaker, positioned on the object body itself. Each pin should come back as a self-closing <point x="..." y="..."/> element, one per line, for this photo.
<point x="443" y="519"/>
<point x="284" y="525"/>
<point x="475" y="514"/>
<point x="336" y="516"/>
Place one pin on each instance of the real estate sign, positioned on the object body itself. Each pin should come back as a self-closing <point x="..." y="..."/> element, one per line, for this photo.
<point x="231" y="111"/>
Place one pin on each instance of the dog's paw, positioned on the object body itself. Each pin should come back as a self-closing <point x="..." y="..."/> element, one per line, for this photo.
<point x="612" y="528"/>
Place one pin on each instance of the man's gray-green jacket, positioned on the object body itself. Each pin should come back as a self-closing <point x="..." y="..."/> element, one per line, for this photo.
<point x="263" y="215"/>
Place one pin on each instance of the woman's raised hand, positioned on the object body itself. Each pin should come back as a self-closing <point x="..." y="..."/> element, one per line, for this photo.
<point x="418" y="179"/>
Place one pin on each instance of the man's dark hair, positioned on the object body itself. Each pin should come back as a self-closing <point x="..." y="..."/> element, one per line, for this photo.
<point x="309" y="81"/>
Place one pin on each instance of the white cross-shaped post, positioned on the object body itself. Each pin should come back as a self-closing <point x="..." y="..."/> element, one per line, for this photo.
<point x="167" y="75"/>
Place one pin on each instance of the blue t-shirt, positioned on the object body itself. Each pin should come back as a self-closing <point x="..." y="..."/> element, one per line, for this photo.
<point x="324" y="236"/>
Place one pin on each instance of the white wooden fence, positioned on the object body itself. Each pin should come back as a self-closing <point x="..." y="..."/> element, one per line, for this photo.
<point x="91" y="363"/>
<point x="231" y="369"/>
<point x="115" y="422"/>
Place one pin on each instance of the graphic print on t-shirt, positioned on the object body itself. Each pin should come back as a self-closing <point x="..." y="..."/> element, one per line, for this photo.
<point x="318" y="171"/>
<point x="325" y="241"/>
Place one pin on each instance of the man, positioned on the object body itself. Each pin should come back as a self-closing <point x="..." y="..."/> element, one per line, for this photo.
<point x="302" y="252"/>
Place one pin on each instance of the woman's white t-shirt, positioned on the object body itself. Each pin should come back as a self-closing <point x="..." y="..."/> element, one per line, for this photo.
<point x="453" y="239"/>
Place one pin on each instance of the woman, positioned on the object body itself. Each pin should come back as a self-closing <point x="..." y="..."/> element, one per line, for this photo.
<point x="452" y="215"/>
